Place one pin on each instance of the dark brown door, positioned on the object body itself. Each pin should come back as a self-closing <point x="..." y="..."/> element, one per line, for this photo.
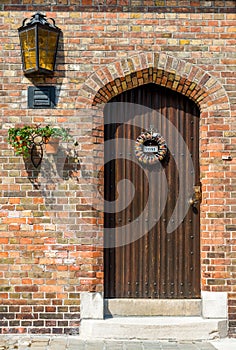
<point x="164" y="261"/>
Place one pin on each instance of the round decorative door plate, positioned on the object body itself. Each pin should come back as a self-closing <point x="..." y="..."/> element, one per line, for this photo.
<point x="150" y="147"/>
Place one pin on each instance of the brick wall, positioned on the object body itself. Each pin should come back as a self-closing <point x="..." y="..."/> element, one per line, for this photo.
<point x="160" y="6"/>
<point x="51" y="232"/>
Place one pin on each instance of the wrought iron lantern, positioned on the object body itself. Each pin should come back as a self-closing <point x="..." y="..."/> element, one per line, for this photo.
<point x="39" y="43"/>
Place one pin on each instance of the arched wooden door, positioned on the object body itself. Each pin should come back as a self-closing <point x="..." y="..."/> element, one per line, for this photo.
<point x="158" y="264"/>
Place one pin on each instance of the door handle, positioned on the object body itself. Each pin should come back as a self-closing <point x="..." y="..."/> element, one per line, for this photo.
<point x="197" y="195"/>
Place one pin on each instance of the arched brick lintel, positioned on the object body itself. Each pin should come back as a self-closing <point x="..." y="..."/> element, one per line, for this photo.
<point x="159" y="68"/>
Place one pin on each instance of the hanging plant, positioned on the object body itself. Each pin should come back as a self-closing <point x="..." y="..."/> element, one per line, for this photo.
<point x="29" y="140"/>
<point x="20" y="139"/>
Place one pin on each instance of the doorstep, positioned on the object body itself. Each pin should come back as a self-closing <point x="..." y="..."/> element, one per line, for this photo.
<point x="154" y="328"/>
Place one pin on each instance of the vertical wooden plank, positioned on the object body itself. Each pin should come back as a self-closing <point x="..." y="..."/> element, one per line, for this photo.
<point x="109" y="254"/>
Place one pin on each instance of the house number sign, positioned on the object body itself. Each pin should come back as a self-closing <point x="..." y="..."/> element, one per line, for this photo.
<point x="150" y="147"/>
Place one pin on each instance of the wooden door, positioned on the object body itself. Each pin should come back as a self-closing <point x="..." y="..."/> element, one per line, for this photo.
<point x="158" y="264"/>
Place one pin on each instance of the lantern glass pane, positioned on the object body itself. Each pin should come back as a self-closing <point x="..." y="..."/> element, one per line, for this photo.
<point x="30" y="59"/>
<point x="28" y="45"/>
<point x="23" y="40"/>
<point x="42" y="58"/>
<point x="43" y="38"/>
<point x="47" y="48"/>
<point x="52" y="45"/>
<point x="31" y="38"/>
<point x="50" y="60"/>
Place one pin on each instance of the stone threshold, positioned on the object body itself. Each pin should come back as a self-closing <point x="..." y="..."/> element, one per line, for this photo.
<point x="152" y="307"/>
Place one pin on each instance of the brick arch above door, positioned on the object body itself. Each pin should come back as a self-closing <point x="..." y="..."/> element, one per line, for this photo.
<point x="160" y="68"/>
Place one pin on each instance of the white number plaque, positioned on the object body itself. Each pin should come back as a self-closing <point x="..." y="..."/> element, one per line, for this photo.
<point x="150" y="149"/>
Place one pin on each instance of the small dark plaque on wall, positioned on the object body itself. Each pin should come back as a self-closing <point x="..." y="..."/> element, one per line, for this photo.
<point x="41" y="96"/>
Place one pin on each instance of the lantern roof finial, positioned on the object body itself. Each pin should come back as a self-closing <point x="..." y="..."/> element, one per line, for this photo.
<point x="38" y="18"/>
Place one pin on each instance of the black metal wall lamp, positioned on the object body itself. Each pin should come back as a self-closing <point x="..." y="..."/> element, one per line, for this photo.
<point x="39" y="43"/>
